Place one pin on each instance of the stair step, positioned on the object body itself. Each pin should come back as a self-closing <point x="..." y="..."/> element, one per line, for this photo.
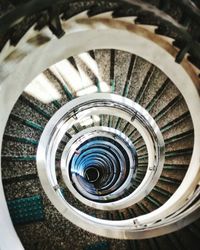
<point x="26" y="210"/>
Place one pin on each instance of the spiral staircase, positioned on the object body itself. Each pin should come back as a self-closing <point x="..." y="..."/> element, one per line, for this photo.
<point x="99" y="124"/>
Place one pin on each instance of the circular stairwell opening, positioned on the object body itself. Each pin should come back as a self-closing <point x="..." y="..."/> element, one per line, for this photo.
<point x="118" y="181"/>
<point x="117" y="95"/>
<point x="92" y="174"/>
<point x="168" y="204"/>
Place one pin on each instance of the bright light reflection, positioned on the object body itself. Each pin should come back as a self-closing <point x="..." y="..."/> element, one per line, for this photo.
<point x="104" y="87"/>
<point x="77" y="81"/>
<point x="92" y="65"/>
<point x="86" y="121"/>
<point x="42" y="89"/>
<point x="89" y="120"/>
<point x="88" y="90"/>
<point x="67" y="74"/>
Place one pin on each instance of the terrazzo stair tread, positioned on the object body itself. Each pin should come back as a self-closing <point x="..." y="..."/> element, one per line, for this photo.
<point x="22" y="189"/>
<point x="112" y="69"/>
<point x="179" y="137"/>
<point x="102" y="58"/>
<point x="126" y="128"/>
<point x="65" y="229"/>
<point x="167" y="111"/>
<point x="177" y="127"/>
<point x="117" y="244"/>
<point x="66" y="91"/>
<point x="121" y="61"/>
<point x="157" y="79"/>
<point x="26" y="210"/>
<point x="37" y="241"/>
<point x="134" y="135"/>
<point x="48" y="108"/>
<point x="65" y="97"/>
<point x="131" y="212"/>
<point x="121" y="124"/>
<point x="119" y="215"/>
<point x="131" y="68"/>
<point x="60" y="72"/>
<point x="148" y="203"/>
<point x="187" y="142"/>
<point x="99" y="8"/>
<point x="159" y="92"/>
<point x="175" y="171"/>
<point x="18" y="157"/>
<point x="170" y="180"/>
<point x="101" y="245"/>
<point x="146" y="83"/>
<point x="71" y="131"/>
<point x="28" y="123"/>
<point x="139" y="142"/>
<point x="142" y="150"/>
<point x="158" y="197"/>
<point x="74" y="8"/>
<point x="19" y="178"/>
<point x="78" y="204"/>
<point x="169" y="93"/>
<point x="166" y="186"/>
<point x="59" y="240"/>
<point x="87" y="76"/>
<point x="137" y="210"/>
<point x="175" y="155"/>
<point x="171" y="111"/>
<point x="185" y="152"/>
<point x="18" y="148"/>
<point x="18" y="129"/>
<point x="178" y="175"/>
<point x="141" y="208"/>
<point x="162" y="192"/>
<point x="13" y="169"/>
<point x="139" y="73"/>
<point x="29" y="113"/>
<point x="26" y="140"/>
<point x="181" y="160"/>
<point x="165" y="183"/>
<point x="172" y="167"/>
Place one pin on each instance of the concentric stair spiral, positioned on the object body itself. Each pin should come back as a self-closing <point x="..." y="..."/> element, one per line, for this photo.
<point x="101" y="134"/>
